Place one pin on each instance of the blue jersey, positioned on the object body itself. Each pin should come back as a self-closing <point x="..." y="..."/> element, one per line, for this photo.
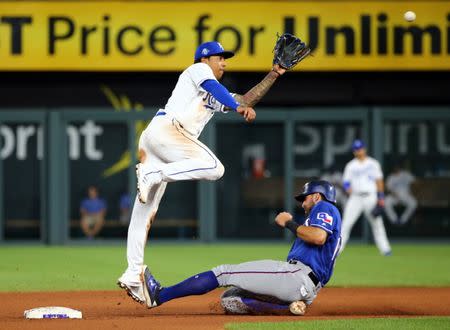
<point x="320" y="258"/>
<point x="93" y="205"/>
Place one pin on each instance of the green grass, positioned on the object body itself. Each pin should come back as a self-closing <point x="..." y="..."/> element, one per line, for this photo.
<point x="422" y="323"/>
<point x="41" y="268"/>
<point x="410" y="265"/>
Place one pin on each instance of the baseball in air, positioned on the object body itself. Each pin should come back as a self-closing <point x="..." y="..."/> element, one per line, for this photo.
<point x="410" y="16"/>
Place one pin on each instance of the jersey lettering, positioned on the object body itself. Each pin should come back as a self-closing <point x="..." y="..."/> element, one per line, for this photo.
<point x="211" y="103"/>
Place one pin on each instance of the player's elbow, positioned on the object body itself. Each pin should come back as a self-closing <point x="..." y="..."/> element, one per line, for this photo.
<point x="320" y="239"/>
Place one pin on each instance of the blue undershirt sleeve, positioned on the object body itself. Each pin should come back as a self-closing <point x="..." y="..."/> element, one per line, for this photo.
<point x="346" y="185"/>
<point x="220" y="93"/>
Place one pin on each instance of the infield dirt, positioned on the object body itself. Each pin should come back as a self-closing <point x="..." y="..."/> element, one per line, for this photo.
<point x="114" y="309"/>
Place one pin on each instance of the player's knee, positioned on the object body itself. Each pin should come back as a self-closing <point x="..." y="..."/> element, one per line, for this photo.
<point x="219" y="171"/>
<point x="142" y="155"/>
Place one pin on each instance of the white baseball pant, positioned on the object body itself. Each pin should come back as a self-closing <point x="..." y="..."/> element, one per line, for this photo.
<point x="356" y="205"/>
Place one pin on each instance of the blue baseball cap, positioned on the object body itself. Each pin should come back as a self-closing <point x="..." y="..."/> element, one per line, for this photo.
<point x="358" y="144"/>
<point x="211" y="48"/>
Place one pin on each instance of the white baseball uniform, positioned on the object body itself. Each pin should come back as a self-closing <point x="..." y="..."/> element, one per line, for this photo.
<point x="174" y="153"/>
<point x="362" y="176"/>
<point x="399" y="184"/>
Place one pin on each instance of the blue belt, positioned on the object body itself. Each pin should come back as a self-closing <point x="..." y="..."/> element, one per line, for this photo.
<point x="160" y="113"/>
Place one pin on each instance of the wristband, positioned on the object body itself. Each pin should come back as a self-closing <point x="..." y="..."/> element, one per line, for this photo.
<point x="279" y="75"/>
<point x="292" y="226"/>
<point x="380" y="195"/>
<point x="346" y="185"/>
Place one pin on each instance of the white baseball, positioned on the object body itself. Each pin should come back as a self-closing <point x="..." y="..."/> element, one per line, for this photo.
<point x="298" y="307"/>
<point x="409" y="16"/>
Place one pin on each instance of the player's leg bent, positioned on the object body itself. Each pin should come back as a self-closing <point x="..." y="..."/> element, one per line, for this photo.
<point x="411" y="205"/>
<point x="194" y="161"/>
<point x="284" y="281"/>
<point x="238" y="301"/>
<point x="147" y="171"/>
<point x="389" y="204"/>
<point x="193" y="169"/>
<point x="184" y="157"/>
<point x="266" y="299"/>
<point x="195" y="285"/>
<point x="147" y="179"/>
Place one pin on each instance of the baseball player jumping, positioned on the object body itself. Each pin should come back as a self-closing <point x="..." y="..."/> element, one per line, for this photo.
<point x="169" y="149"/>
<point x="270" y="286"/>
<point x="363" y="181"/>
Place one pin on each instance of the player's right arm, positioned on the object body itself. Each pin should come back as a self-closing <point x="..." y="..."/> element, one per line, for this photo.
<point x="248" y="113"/>
<point x="221" y="94"/>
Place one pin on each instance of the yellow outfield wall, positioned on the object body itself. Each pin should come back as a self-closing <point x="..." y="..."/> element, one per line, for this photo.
<point x="162" y="36"/>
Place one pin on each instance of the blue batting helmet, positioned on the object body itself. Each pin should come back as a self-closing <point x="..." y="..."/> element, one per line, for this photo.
<point x="323" y="187"/>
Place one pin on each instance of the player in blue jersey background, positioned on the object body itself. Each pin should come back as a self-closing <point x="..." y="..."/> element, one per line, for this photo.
<point x="271" y="286"/>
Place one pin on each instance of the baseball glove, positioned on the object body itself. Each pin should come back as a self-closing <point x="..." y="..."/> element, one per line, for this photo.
<point x="289" y="50"/>
<point x="377" y="211"/>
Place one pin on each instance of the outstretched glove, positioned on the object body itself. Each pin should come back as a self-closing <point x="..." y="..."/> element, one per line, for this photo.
<point x="289" y="50"/>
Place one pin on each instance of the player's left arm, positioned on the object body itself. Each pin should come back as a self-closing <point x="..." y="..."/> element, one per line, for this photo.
<point x="380" y="184"/>
<point x="310" y="234"/>
<point x="380" y="191"/>
<point x="254" y="95"/>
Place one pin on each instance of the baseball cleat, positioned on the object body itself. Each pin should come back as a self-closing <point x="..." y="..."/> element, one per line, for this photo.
<point x="135" y="292"/>
<point x="234" y="305"/>
<point x="151" y="289"/>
